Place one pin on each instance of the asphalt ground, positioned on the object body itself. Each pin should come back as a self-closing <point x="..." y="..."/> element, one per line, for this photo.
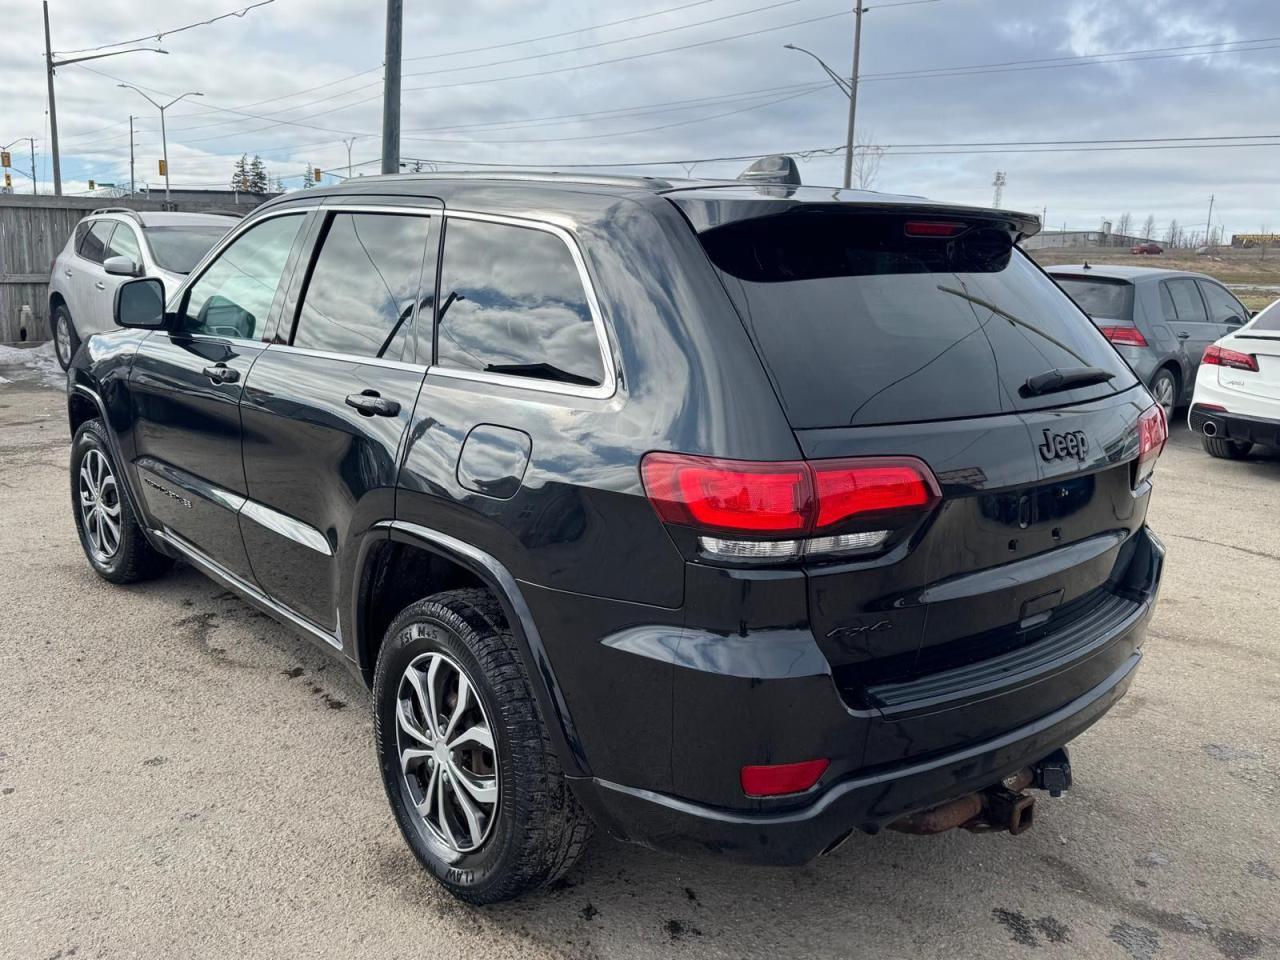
<point x="182" y="777"/>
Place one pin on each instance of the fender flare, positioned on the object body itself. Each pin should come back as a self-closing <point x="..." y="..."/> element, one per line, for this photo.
<point x="134" y="504"/>
<point x="533" y="653"/>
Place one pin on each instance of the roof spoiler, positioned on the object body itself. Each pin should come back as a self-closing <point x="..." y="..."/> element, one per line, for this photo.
<point x="777" y="168"/>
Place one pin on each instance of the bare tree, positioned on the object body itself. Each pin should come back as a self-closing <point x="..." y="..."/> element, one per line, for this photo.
<point x="866" y="162"/>
<point x="1124" y="224"/>
<point x="1149" y="226"/>
<point x="1173" y="235"/>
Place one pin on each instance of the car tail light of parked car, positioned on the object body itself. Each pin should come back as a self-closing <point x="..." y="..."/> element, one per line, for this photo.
<point x="793" y="499"/>
<point x="1216" y="356"/>
<point x="1124" y="336"/>
<point x="1153" y="433"/>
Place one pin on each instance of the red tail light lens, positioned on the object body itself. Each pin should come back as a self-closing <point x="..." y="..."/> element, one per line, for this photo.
<point x="788" y="498"/>
<point x="1124" y="336"/>
<point x="1217" y="356"/>
<point x="777" y="779"/>
<point x="920" y="228"/>
<point x="1153" y="433"/>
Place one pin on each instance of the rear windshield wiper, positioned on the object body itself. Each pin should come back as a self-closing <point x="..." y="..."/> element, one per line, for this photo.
<point x="1064" y="378"/>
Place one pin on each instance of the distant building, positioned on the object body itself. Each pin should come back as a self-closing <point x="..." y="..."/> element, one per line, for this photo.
<point x="1046" y="239"/>
<point x="1253" y="240"/>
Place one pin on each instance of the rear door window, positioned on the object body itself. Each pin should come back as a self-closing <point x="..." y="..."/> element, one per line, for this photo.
<point x="1187" y="304"/>
<point x="512" y="303"/>
<point x="94" y="246"/>
<point x="1100" y="297"/>
<point x="859" y="321"/>
<point x="123" y="243"/>
<point x="364" y="290"/>
<point x="1223" y="307"/>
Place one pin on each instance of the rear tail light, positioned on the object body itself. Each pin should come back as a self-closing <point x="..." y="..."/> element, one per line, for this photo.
<point x="1153" y="432"/>
<point x="1216" y="356"/>
<point x="1124" y="336"/>
<point x="788" y="508"/>
<point x="777" y="779"/>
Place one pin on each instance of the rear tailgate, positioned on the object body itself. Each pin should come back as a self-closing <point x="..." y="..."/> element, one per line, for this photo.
<point x="1265" y="349"/>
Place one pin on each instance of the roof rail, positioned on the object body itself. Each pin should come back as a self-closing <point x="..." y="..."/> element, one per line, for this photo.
<point x="238" y="214"/>
<point x="125" y="210"/>
<point x="547" y="176"/>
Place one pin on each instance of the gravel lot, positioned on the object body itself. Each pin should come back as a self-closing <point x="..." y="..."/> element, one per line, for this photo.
<point x="181" y="777"/>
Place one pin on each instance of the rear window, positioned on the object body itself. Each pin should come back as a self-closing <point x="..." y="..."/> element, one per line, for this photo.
<point x="179" y="249"/>
<point x="860" y="323"/>
<point x="1101" y="298"/>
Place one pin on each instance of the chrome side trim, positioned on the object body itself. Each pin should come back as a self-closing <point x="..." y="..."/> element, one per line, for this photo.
<point x="231" y="502"/>
<point x="215" y="571"/>
<point x="286" y="526"/>
<point x="601" y="392"/>
<point x="349" y="358"/>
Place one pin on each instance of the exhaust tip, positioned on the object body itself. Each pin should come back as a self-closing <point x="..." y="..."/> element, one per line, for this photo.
<point x="1210" y="429"/>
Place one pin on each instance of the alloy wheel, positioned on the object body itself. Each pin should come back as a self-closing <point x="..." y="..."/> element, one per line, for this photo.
<point x="99" y="505"/>
<point x="447" y="755"/>
<point x="62" y="336"/>
<point x="1164" y="396"/>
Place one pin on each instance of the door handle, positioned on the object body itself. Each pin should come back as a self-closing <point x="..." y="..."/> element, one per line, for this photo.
<point x="100" y="285"/>
<point x="221" y="373"/>
<point x="370" y="404"/>
<point x="1184" y="336"/>
<point x="66" y="273"/>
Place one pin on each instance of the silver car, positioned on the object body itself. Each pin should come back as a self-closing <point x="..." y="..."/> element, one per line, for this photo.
<point x="110" y="246"/>
<point x="1161" y="321"/>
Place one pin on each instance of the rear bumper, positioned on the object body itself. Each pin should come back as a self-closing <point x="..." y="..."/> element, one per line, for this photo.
<point x="865" y="801"/>
<point x="1235" y="426"/>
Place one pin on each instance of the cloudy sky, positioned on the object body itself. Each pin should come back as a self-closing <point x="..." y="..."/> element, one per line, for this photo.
<point x="607" y="81"/>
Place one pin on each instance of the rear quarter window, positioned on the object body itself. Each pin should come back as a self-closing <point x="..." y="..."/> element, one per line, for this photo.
<point x="1100" y="297"/>
<point x="859" y="323"/>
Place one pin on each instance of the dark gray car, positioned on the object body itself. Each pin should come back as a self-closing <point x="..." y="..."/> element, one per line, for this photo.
<point x="1160" y="320"/>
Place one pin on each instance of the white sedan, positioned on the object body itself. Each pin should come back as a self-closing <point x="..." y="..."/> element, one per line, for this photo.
<point x="1237" y="396"/>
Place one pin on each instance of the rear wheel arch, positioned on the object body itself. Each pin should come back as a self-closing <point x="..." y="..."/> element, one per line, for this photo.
<point x="1180" y="378"/>
<point x="415" y="562"/>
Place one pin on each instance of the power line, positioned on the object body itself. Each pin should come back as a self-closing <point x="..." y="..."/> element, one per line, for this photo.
<point x="166" y="33"/>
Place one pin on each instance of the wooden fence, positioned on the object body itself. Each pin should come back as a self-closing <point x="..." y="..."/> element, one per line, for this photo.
<point x="33" y="230"/>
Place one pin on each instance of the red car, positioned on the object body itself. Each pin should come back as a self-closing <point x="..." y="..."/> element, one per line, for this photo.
<point x="1146" y="248"/>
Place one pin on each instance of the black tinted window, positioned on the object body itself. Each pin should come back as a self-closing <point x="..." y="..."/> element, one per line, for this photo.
<point x="860" y="323"/>
<point x="1187" y="305"/>
<point x="1223" y="307"/>
<point x="94" y="246"/>
<point x="364" y="288"/>
<point x="179" y="249"/>
<point x="233" y="296"/>
<point x="1100" y="298"/>
<point x="512" y="302"/>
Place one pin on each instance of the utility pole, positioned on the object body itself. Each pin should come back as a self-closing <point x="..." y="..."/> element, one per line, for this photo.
<point x="35" y="185"/>
<point x="998" y="182"/>
<point x="853" y="92"/>
<point x="1208" y="227"/>
<point x="53" y="107"/>
<point x="131" y="181"/>
<point x="391" y="88"/>
<point x="50" y="66"/>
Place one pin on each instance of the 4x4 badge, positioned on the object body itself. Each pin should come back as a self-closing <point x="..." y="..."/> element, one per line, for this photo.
<point x="1058" y="446"/>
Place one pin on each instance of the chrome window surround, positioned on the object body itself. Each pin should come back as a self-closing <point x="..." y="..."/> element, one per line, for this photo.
<point x="603" y="390"/>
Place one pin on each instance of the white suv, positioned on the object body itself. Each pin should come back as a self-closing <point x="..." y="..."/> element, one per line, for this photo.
<point x="111" y="245"/>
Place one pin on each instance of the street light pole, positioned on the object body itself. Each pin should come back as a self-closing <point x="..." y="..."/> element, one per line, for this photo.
<point x="348" y="144"/>
<point x="50" y="65"/>
<point x="132" y="187"/>
<point x="391" y="88"/>
<point x="164" y="140"/>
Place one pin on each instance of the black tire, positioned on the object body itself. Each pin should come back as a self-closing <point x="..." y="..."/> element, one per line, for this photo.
<point x="133" y="558"/>
<point x="59" y="315"/>
<point x="1165" y="385"/>
<point x="539" y="829"/>
<point x="1226" y="449"/>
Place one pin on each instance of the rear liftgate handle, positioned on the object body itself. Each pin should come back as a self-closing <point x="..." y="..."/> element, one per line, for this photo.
<point x="371" y="404"/>
<point x="221" y="373"/>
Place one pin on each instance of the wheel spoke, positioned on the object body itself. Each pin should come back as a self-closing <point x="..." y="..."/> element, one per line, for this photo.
<point x="414" y="676"/>
<point x="410" y="726"/>
<point x="433" y="708"/>
<point x="86" y="478"/>
<point x="482" y="791"/>
<point x="464" y="701"/>
<point x="443" y="814"/>
<point x="411" y="756"/>
<point x="469" y="812"/>
<point x="433" y="784"/>
<point x="478" y="735"/>
<point x="110" y="509"/>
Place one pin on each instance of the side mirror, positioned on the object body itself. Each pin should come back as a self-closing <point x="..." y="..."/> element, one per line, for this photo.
<point x="121" y="267"/>
<point x="140" y="303"/>
<point x="1234" y="321"/>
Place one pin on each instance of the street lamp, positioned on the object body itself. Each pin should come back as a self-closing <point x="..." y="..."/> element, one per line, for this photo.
<point x="164" y="141"/>
<point x="848" y="87"/>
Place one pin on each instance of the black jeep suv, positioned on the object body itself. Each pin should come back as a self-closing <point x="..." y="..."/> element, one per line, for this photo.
<point x="728" y="517"/>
